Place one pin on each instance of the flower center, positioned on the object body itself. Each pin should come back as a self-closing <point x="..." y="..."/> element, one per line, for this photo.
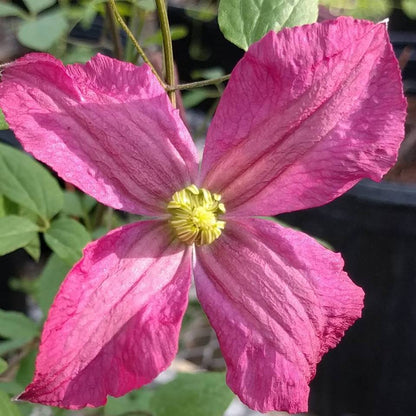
<point x="194" y="215"/>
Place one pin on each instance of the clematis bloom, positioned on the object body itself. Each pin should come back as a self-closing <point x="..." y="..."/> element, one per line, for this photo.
<point x="307" y="113"/>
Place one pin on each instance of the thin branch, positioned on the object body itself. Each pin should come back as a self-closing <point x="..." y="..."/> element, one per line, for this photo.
<point x="167" y="48"/>
<point x="139" y="49"/>
<point x="118" y="52"/>
<point x="23" y="351"/>
<point x="198" y="84"/>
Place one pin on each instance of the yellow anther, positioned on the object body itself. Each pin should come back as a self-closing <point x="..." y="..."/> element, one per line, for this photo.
<point x="194" y="215"/>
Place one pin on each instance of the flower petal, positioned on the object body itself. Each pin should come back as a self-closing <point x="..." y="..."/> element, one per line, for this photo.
<point x="107" y="127"/>
<point x="115" y="322"/>
<point x="278" y="301"/>
<point x="307" y="113"/>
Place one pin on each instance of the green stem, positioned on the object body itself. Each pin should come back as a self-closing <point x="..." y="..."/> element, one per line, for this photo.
<point x="139" y="49"/>
<point x="43" y="224"/>
<point x="167" y="48"/>
<point x="198" y="84"/>
<point x="114" y="33"/>
<point x="136" y="18"/>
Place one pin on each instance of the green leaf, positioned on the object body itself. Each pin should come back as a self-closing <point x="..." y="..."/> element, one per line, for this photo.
<point x="203" y="14"/>
<point x="7" y="9"/>
<point x="177" y="32"/>
<point x="72" y="204"/>
<point x="23" y="284"/>
<point x="194" y="97"/>
<point x="33" y="248"/>
<point x="27" y="368"/>
<point x="7" y="407"/>
<point x="79" y="54"/>
<point x="409" y="7"/>
<point x="88" y="203"/>
<point x="3" y="209"/>
<point x="26" y="182"/>
<point x="136" y="401"/>
<point x="15" y="232"/>
<point x="36" y="6"/>
<point x="11" y="387"/>
<point x="3" y="365"/>
<point x="49" y="281"/>
<point x="8" y="207"/>
<point x="15" y="325"/>
<point x="77" y="204"/>
<point x="208" y="73"/>
<point x="246" y="21"/>
<point x="41" y="34"/>
<point x="201" y="394"/>
<point x="375" y="10"/>
<point x="67" y="237"/>
<point x="146" y="5"/>
<point x="12" y="344"/>
<point x="3" y="122"/>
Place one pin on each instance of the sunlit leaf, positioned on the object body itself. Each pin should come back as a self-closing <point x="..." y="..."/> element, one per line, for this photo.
<point x="409" y="7"/>
<point x="245" y="21"/>
<point x="3" y="122"/>
<point x="41" y="34"/>
<point x="146" y="5"/>
<point x="15" y="232"/>
<point x="36" y="6"/>
<point x="200" y="394"/>
<point x="375" y="10"/>
<point x="28" y="183"/>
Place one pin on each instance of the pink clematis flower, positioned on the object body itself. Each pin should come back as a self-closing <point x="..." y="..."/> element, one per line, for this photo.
<point x="306" y="114"/>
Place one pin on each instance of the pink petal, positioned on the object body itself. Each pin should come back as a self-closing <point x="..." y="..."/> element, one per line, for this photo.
<point x="278" y="301"/>
<point x="115" y="322"/>
<point x="107" y="127"/>
<point x="307" y="113"/>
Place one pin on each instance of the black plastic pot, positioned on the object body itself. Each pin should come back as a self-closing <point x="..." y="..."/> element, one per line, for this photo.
<point x="372" y="371"/>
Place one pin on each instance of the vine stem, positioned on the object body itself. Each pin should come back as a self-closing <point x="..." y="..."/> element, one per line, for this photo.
<point x="114" y="32"/>
<point x="167" y="49"/>
<point x="198" y="84"/>
<point x="139" y="49"/>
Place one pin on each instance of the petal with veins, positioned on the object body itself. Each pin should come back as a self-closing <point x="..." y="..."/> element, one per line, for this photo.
<point x="115" y="322"/>
<point x="307" y="113"/>
<point x="107" y="127"/>
<point x="278" y="301"/>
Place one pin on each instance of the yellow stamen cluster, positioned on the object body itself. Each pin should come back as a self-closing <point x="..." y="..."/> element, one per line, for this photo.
<point x="194" y="215"/>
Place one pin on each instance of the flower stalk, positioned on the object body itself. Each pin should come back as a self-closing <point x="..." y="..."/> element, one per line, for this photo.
<point x="198" y="84"/>
<point x="139" y="49"/>
<point x="118" y="49"/>
<point x="167" y="49"/>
